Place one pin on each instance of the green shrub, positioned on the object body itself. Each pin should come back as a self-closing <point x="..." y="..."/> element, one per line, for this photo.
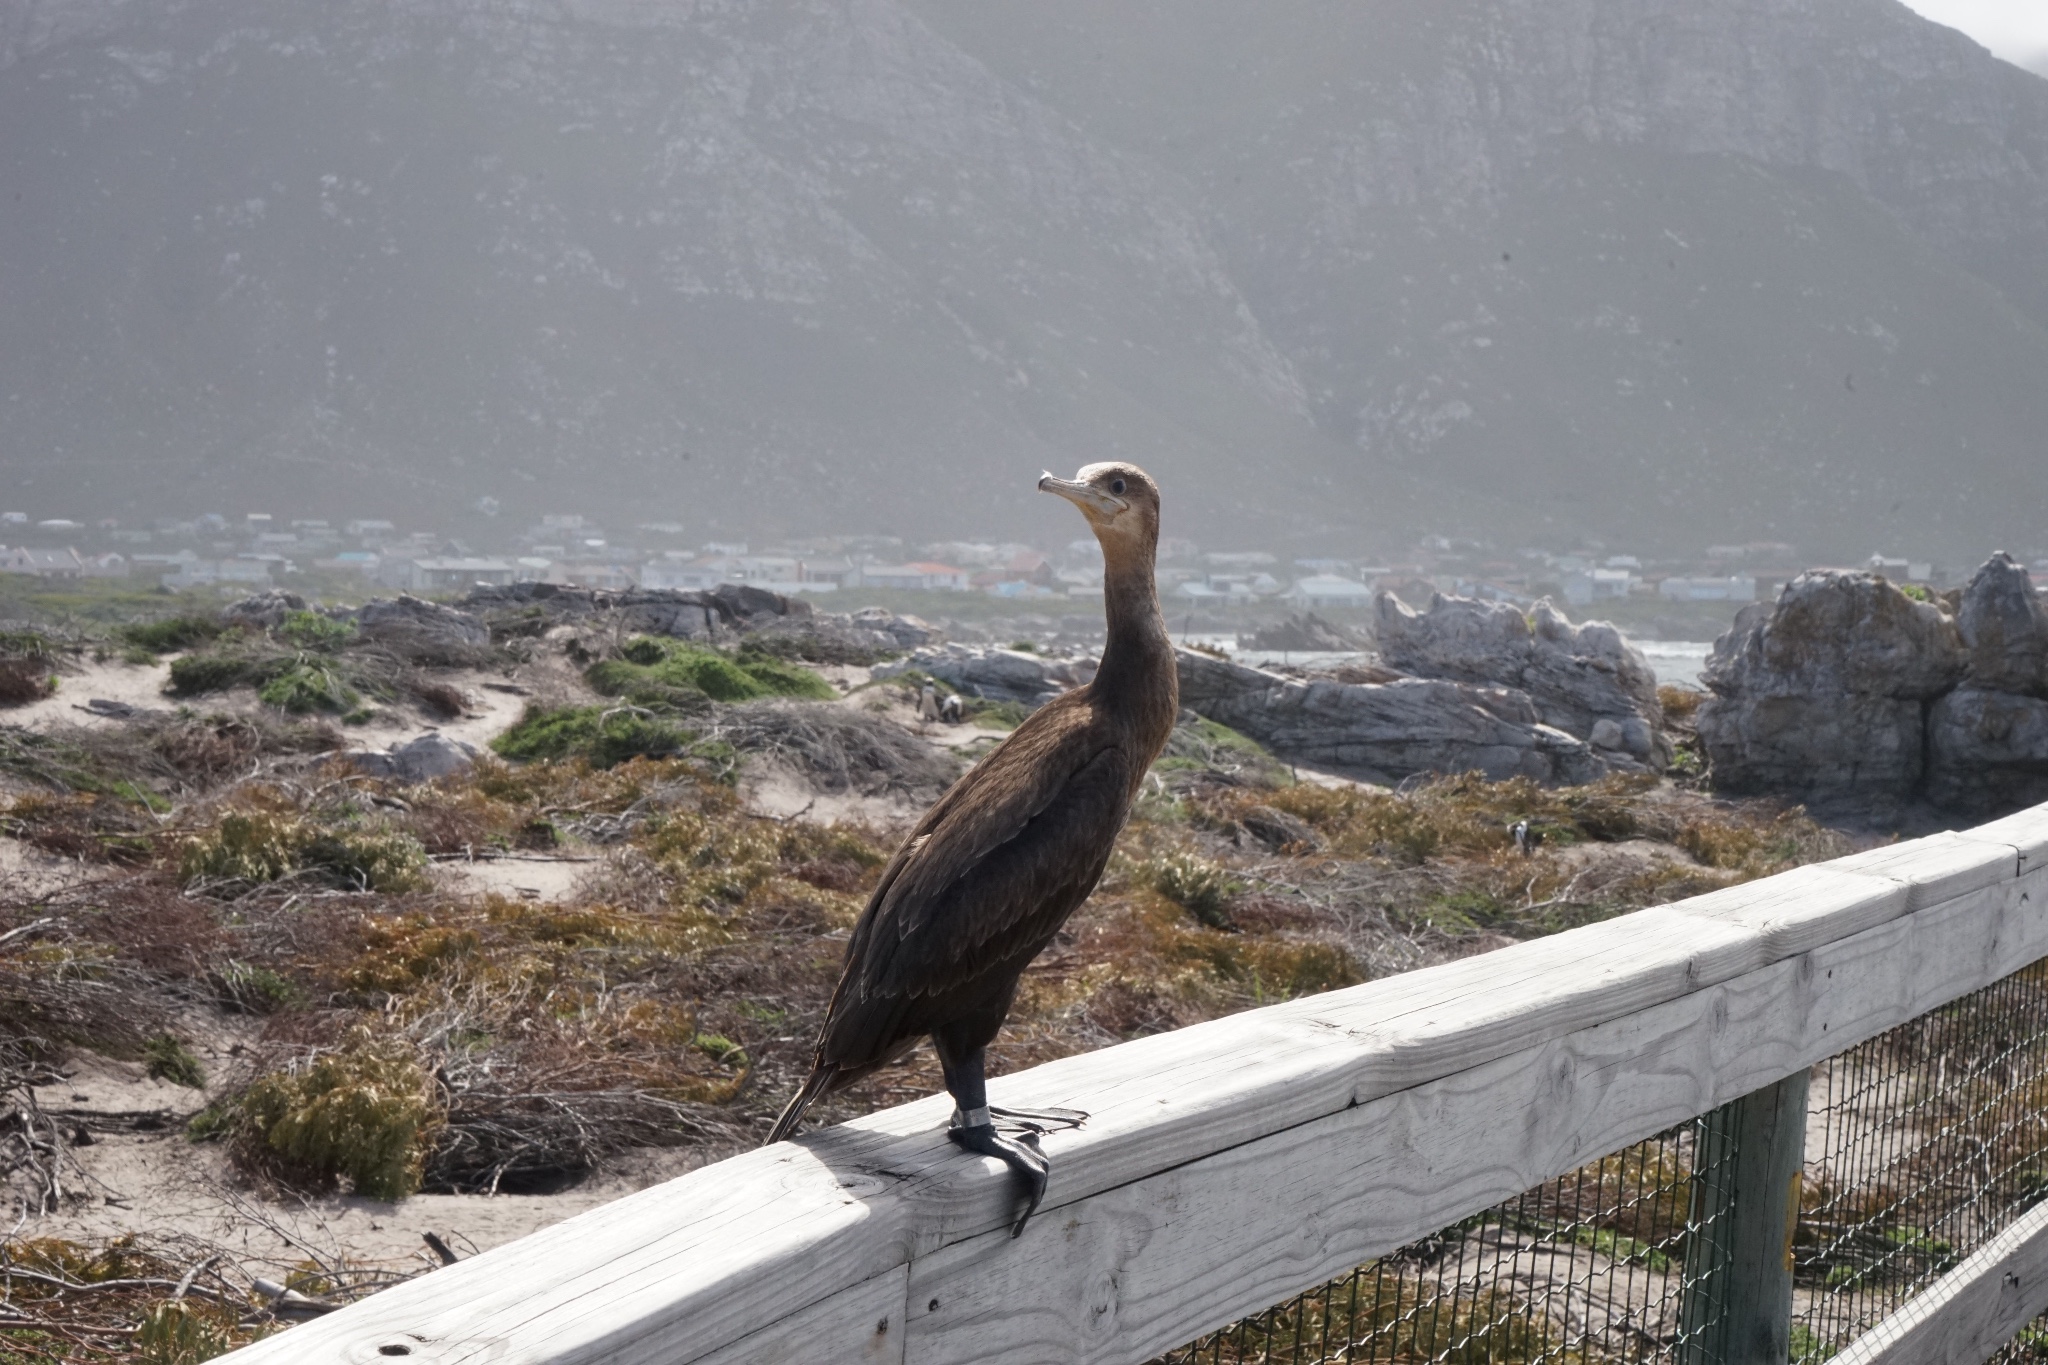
<point x="305" y="687"/>
<point x="311" y="630"/>
<point x="786" y="679"/>
<point x="27" y="644"/>
<point x="172" y="634"/>
<point x="1196" y="885"/>
<point x="262" y="846"/>
<point x="175" y="1332"/>
<point x="605" y="736"/>
<point x="245" y="846"/>
<point x="254" y="990"/>
<point x="368" y="859"/>
<point x="167" y="1059"/>
<point x="997" y="715"/>
<point x="671" y="674"/>
<point x="365" y="1115"/>
<point x="196" y="674"/>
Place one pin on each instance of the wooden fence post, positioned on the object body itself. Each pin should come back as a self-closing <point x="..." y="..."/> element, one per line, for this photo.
<point x="1747" y="1159"/>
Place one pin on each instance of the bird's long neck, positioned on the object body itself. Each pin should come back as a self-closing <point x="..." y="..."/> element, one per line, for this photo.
<point x="1137" y="676"/>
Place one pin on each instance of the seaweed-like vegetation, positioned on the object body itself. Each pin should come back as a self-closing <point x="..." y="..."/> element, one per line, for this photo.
<point x="602" y="735"/>
<point x="676" y="675"/>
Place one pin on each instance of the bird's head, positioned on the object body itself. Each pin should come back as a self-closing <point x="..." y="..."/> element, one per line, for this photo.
<point x="1121" y="503"/>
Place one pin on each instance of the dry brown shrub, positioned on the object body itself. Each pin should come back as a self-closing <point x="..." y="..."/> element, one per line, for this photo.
<point x="24" y="680"/>
<point x="87" y="827"/>
<point x="443" y="701"/>
<point x="1680" y="703"/>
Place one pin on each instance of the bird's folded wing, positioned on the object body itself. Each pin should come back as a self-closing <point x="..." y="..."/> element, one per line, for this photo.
<point x="971" y="890"/>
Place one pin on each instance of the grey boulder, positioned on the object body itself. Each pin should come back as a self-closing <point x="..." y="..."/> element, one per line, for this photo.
<point x="262" y="610"/>
<point x="1987" y="752"/>
<point x="413" y="620"/>
<point x="1841" y="752"/>
<point x="1388" y="730"/>
<point x="2004" y="629"/>
<point x="1835" y="633"/>
<point x="1577" y="675"/>
<point x="424" y="759"/>
<point x="995" y="674"/>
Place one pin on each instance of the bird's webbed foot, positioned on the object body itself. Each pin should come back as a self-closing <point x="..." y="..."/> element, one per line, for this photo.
<point x="1019" y="1154"/>
<point x="1038" y="1120"/>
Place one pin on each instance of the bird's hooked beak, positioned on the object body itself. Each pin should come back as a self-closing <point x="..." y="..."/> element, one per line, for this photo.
<point x="1085" y="496"/>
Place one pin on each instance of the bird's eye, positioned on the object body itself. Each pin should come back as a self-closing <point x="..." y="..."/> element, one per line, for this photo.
<point x="1116" y="486"/>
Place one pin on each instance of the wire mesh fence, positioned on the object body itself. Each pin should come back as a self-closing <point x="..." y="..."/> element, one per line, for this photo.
<point x="1921" y="1144"/>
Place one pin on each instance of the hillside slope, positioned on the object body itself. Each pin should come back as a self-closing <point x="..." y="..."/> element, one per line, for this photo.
<point x="1645" y="269"/>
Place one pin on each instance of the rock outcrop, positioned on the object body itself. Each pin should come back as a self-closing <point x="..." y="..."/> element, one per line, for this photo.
<point x="1388" y="731"/>
<point x="725" y="613"/>
<point x="995" y="674"/>
<point x="1987" y="752"/>
<point x="1585" y="680"/>
<point x="414" y="619"/>
<point x="262" y="610"/>
<point x="2004" y="630"/>
<point x="1856" y="699"/>
<point x="421" y="760"/>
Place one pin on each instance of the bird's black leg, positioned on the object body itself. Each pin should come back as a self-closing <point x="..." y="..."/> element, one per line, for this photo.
<point x="974" y="1129"/>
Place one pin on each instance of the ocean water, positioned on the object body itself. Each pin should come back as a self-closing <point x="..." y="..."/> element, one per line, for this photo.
<point x="1677" y="662"/>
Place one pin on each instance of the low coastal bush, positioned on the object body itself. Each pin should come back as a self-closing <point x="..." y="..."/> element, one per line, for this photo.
<point x="258" y="846"/>
<point x="604" y="736"/>
<point x="172" y="634"/>
<point x="672" y="674"/>
<point x="365" y="1114"/>
<point x="306" y="687"/>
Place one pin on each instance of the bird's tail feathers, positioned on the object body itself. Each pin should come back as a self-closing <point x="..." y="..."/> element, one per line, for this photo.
<point x="819" y="1081"/>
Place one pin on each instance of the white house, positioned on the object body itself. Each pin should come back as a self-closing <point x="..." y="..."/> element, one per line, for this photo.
<point x="200" y="573"/>
<point x="1734" y="588"/>
<point x="1597" y="585"/>
<point x="1329" y="590"/>
<point x="917" y="576"/>
<point x="444" y="573"/>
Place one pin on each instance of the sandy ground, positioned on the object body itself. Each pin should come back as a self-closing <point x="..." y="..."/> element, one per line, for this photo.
<point x="135" y="684"/>
<point x="27" y="871"/>
<point x="140" y="1174"/>
<point x="520" y="876"/>
<point x="495" y="703"/>
<point x="494" y="707"/>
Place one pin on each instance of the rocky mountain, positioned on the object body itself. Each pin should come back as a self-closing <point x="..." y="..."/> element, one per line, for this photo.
<point x="1657" y="270"/>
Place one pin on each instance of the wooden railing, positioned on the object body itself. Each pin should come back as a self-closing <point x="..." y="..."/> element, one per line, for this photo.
<point x="1227" y="1166"/>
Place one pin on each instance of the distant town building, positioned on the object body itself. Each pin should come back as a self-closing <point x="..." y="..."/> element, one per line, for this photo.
<point x="199" y="573"/>
<point x="1901" y="570"/>
<point x="917" y="576"/>
<point x="1734" y="588"/>
<point x="1582" y="587"/>
<point x="364" y="562"/>
<point x="1329" y="590"/>
<point x="1230" y="587"/>
<point x="594" y="573"/>
<point x="444" y="573"/>
<point x="66" y="563"/>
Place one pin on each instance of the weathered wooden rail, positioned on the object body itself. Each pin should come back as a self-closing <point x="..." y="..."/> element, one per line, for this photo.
<point x="1228" y="1166"/>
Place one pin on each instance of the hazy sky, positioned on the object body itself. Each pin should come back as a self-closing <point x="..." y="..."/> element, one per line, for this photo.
<point x="2016" y="30"/>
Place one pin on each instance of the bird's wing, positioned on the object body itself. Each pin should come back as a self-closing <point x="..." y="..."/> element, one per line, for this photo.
<point x="1019" y="841"/>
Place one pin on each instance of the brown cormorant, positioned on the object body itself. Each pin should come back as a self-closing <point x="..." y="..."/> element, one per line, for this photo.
<point x="994" y="869"/>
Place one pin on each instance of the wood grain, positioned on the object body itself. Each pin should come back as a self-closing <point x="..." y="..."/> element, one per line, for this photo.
<point x="1146" y="1267"/>
<point x="1964" y="1317"/>
<point x="1313" y="1131"/>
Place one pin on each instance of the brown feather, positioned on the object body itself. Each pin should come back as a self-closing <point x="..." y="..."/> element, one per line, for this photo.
<point x="994" y="869"/>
